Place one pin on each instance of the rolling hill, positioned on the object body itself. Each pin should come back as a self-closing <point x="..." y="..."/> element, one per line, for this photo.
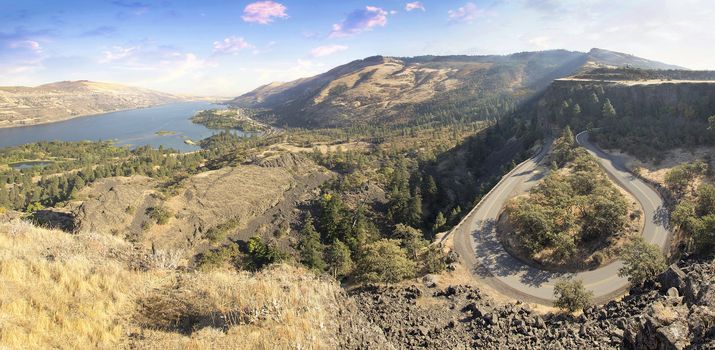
<point x="22" y="106"/>
<point x="399" y="90"/>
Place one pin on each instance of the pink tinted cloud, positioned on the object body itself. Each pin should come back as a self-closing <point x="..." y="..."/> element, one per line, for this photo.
<point x="264" y="12"/>
<point x="231" y="45"/>
<point x="467" y="13"/>
<point x="359" y="21"/>
<point x="414" y="6"/>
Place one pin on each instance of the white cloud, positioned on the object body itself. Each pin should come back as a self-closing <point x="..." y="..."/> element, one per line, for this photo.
<point x="359" y="21"/>
<point x="467" y="13"/>
<point x="414" y="6"/>
<point x="27" y="44"/>
<point x="327" y="50"/>
<point x="117" y="53"/>
<point x="264" y="12"/>
<point x="231" y="45"/>
<point x="540" y="42"/>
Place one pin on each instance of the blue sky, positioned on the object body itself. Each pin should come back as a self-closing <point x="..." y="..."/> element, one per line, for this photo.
<point x="230" y="47"/>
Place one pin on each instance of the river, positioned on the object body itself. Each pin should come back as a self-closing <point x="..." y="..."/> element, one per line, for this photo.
<point x="166" y="125"/>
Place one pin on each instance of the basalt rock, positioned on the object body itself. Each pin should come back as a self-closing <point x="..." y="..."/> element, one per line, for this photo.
<point x="462" y="317"/>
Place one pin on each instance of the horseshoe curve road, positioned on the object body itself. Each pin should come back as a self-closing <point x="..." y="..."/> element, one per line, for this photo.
<point x="476" y="241"/>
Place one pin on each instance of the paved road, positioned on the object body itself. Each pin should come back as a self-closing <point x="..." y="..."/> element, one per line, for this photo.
<point x="480" y="249"/>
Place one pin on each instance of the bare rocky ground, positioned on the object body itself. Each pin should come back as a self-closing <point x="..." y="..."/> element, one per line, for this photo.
<point x="261" y="196"/>
<point x="678" y="312"/>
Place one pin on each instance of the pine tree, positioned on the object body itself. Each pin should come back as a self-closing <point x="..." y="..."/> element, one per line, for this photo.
<point x="309" y="246"/>
<point x="414" y="214"/>
<point x="337" y="257"/>
<point x="608" y="111"/>
<point x="439" y="222"/>
<point x="432" y="185"/>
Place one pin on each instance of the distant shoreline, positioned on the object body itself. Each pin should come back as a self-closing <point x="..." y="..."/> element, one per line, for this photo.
<point x="89" y="115"/>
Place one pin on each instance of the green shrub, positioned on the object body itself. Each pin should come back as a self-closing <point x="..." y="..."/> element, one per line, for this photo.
<point x="642" y="261"/>
<point x="160" y="215"/>
<point x="571" y="295"/>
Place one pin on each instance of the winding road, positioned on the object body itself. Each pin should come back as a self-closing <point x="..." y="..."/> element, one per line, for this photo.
<point x="476" y="240"/>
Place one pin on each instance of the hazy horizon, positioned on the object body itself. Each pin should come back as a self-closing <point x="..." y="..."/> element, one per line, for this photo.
<point x="228" y="48"/>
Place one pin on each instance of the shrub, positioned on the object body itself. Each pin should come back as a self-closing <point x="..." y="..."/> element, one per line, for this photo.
<point x="260" y="254"/>
<point x="571" y="295"/>
<point x="219" y="233"/>
<point x="215" y="258"/>
<point x="641" y="261"/>
<point x="434" y="259"/>
<point x="385" y="261"/>
<point x="160" y="215"/>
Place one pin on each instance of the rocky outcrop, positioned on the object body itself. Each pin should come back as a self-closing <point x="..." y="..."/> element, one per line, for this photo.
<point x="255" y="199"/>
<point x="684" y="318"/>
<point x="423" y="316"/>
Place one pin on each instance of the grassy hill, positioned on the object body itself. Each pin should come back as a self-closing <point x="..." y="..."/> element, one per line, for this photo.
<point x="20" y="106"/>
<point x="418" y="90"/>
<point x="83" y="291"/>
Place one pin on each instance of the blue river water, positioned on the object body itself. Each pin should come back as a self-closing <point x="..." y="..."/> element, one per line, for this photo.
<point x="137" y="127"/>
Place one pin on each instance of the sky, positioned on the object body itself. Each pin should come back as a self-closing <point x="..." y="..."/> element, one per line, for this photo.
<point x="226" y="48"/>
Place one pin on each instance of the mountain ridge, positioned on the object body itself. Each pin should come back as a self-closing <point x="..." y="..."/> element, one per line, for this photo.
<point x="62" y="100"/>
<point x="389" y="89"/>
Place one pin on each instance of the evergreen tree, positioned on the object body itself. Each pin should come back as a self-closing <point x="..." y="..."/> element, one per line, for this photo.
<point x="309" y="246"/>
<point x="608" y="111"/>
<point x="414" y="214"/>
<point x="439" y="222"/>
<point x="338" y="259"/>
<point x="431" y="190"/>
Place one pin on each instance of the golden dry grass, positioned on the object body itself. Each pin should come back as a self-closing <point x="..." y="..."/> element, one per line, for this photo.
<point x="77" y="291"/>
<point x="57" y="291"/>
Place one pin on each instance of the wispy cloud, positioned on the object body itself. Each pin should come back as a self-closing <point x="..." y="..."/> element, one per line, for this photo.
<point x="327" y="50"/>
<point x="118" y="53"/>
<point x="230" y="46"/>
<point x="540" y="42"/>
<point x="467" y="13"/>
<point x="30" y="45"/>
<point x="264" y="12"/>
<point x="21" y="51"/>
<point x="359" y="21"/>
<point x="414" y="6"/>
<point x="149" y="63"/>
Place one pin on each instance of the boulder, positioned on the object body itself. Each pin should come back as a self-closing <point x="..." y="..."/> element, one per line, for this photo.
<point x="673" y="277"/>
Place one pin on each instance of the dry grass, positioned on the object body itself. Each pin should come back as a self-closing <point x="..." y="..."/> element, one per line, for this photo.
<point x="673" y="158"/>
<point x="57" y="291"/>
<point x="78" y="291"/>
<point x="281" y="308"/>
